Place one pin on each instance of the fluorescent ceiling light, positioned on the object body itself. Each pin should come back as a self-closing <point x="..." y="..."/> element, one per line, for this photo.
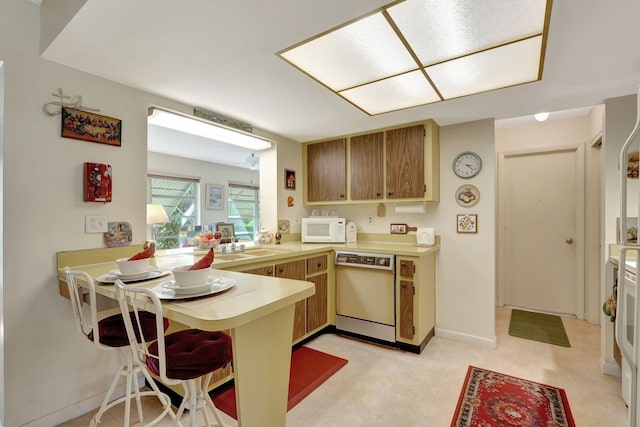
<point x="207" y="129"/>
<point x="416" y="52"/>
<point x="541" y="117"/>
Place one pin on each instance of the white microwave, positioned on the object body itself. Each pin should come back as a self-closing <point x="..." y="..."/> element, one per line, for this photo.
<point x="323" y="229"/>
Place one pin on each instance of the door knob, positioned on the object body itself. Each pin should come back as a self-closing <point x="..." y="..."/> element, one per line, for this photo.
<point x="569" y="241"/>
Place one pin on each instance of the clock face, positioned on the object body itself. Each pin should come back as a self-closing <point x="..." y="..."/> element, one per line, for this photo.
<point x="467" y="164"/>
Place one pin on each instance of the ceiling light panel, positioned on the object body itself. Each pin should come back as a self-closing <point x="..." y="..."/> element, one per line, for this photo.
<point x="359" y="53"/>
<point x="505" y="66"/>
<point x="395" y="93"/>
<point x="440" y="30"/>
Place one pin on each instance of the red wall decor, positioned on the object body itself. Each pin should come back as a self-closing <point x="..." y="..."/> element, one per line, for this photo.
<point x="97" y="182"/>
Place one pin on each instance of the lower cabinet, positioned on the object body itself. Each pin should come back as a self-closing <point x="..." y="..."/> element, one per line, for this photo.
<point x="415" y="301"/>
<point x="311" y="314"/>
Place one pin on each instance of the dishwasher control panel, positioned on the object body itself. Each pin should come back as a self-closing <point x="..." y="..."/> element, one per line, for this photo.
<point x="366" y="260"/>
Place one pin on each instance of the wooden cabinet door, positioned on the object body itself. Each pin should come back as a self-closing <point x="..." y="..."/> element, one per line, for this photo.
<point x="262" y="271"/>
<point x="405" y="162"/>
<point x="326" y="170"/>
<point x="295" y="270"/>
<point x="406" y="270"/>
<point x="316" y="264"/>
<point x="366" y="166"/>
<point x="317" y="304"/>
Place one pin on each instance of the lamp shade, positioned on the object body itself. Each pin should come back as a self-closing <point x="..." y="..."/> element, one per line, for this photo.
<point x="156" y="215"/>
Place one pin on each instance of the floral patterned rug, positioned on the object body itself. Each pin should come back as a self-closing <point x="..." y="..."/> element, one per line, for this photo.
<point x="492" y="399"/>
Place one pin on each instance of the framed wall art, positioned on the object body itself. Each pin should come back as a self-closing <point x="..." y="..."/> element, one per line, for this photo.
<point x="467" y="223"/>
<point x="227" y="232"/>
<point x="289" y="179"/>
<point x="467" y="195"/>
<point x="78" y="124"/>
<point x="97" y="182"/>
<point x="215" y="196"/>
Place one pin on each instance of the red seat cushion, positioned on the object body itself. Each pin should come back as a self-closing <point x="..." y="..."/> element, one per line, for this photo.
<point x="192" y="353"/>
<point x="114" y="334"/>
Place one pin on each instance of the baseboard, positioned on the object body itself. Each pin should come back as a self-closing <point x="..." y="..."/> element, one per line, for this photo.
<point x="612" y="369"/>
<point x="79" y="408"/>
<point x="490" y="343"/>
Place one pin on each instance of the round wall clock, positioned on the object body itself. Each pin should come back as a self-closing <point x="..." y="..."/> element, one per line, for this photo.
<point x="467" y="164"/>
<point x="467" y="195"/>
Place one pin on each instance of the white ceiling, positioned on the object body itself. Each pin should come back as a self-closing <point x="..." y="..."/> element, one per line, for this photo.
<point x="221" y="56"/>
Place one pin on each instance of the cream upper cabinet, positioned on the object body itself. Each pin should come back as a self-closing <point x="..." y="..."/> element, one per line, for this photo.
<point x="399" y="164"/>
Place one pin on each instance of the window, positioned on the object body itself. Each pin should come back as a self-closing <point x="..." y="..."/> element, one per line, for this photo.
<point x="244" y="209"/>
<point x="179" y="197"/>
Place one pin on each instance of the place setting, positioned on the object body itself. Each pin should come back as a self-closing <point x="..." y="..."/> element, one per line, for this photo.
<point x="193" y="281"/>
<point x="135" y="268"/>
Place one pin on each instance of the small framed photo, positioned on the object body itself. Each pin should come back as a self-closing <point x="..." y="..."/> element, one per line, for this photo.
<point x="215" y="196"/>
<point x="289" y="179"/>
<point x="632" y="230"/>
<point x="398" y="228"/>
<point x="227" y="231"/>
<point x="467" y="223"/>
<point x="78" y="124"/>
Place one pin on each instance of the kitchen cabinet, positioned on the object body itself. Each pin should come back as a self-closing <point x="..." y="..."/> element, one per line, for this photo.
<point x="326" y="171"/>
<point x="405" y="162"/>
<point x="311" y="314"/>
<point x="397" y="164"/>
<point x="365" y="166"/>
<point x="415" y="301"/>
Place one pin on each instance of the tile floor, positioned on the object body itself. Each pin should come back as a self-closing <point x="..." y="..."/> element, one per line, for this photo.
<point x="387" y="387"/>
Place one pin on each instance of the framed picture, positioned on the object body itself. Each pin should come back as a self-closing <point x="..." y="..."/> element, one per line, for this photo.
<point x="97" y="185"/>
<point x="289" y="179"/>
<point x="227" y="231"/>
<point x="398" y="228"/>
<point x="467" y="223"/>
<point x="78" y="124"/>
<point x="215" y="196"/>
<point x="633" y="165"/>
<point x="632" y="230"/>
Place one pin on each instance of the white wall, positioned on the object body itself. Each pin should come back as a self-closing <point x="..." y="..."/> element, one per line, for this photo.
<point x="208" y="173"/>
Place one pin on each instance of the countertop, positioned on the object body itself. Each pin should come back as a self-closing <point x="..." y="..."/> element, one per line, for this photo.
<point x="255" y="253"/>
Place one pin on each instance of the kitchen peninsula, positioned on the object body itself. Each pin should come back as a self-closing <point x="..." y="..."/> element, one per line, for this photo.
<point x="276" y="306"/>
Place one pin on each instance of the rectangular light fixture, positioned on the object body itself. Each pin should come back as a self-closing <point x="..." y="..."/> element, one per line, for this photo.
<point x="203" y="128"/>
<point x="416" y="52"/>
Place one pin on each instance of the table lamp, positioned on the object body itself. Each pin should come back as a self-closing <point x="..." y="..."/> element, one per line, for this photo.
<point x="156" y="215"/>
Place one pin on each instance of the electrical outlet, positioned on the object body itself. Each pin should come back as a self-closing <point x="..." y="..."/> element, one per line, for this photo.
<point x="370" y="219"/>
<point x="95" y="224"/>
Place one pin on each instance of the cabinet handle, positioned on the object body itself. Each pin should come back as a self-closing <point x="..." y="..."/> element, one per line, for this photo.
<point x="281" y="269"/>
<point x="270" y="272"/>
<point x="378" y="194"/>
<point x="390" y="193"/>
<point x="319" y="264"/>
<point x="342" y="196"/>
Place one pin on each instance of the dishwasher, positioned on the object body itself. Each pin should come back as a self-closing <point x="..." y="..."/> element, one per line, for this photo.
<point x="365" y="295"/>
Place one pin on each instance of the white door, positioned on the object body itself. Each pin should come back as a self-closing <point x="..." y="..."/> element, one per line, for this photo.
<point x="541" y="202"/>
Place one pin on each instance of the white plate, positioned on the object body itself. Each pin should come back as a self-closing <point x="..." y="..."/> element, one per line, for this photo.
<point x="130" y="276"/>
<point x="172" y="286"/>
<point x="154" y="274"/>
<point x="219" y="286"/>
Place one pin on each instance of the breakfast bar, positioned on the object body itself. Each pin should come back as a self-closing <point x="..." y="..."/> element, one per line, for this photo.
<point x="259" y="313"/>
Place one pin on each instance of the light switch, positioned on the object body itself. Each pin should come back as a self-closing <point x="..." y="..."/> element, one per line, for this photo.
<point x="95" y="224"/>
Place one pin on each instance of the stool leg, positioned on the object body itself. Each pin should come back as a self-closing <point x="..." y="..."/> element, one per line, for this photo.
<point x="105" y="403"/>
<point x="208" y="401"/>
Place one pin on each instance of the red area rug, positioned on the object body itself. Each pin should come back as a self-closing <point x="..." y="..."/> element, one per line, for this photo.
<point x="309" y="369"/>
<point x="492" y="399"/>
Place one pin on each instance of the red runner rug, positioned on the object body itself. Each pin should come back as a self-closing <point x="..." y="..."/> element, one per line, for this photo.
<point x="492" y="399"/>
<point x="309" y="369"/>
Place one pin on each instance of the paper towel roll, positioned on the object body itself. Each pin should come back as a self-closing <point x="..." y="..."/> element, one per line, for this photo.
<point x="411" y="207"/>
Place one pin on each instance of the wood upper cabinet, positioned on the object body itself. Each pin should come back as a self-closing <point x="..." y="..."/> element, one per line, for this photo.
<point x="405" y="163"/>
<point x="366" y="166"/>
<point x="326" y="171"/>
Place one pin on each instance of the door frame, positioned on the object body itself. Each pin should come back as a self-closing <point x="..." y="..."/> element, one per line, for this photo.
<point x="580" y="219"/>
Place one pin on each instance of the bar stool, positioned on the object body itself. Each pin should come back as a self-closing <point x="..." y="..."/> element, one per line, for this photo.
<point x="186" y="357"/>
<point x="110" y="334"/>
